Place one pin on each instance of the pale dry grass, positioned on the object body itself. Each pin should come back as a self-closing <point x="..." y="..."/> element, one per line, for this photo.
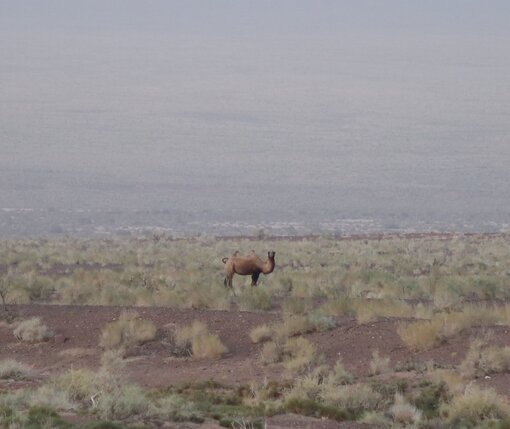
<point x="370" y="310"/>
<point x="403" y="413"/>
<point x="482" y="360"/>
<point x="379" y="364"/>
<point x="476" y="406"/>
<point x="261" y="333"/>
<point x="426" y="334"/>
<point x="12" y="369"/>
<point x="127" y="331"/>
<point x="196" y="340"/>
<point x="32" y="330"/>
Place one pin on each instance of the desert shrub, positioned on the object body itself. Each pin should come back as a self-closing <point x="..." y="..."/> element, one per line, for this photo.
<point x="299" y="354"/>
<point x="422" y="334"/>
<point x="124" y="402"/>
<point x="197" y="341"/>
<point x="261" y="333"/>
<point x="255" y="298"/>
<point x="177" y="408"/>
<point x="294" y="325"/>
<point x="272" y="352"/>
<point x="425" y="334"/>
<point x="12" y="418"/>
<point x="430" y="399"/>
<point x="375" y="419"/>
<point x="356" y="398"/>
<point x="313" y="384"/>
<point x="296" y="305"/>
<point x="45" y="417"/>
<point x="51" y="397"/>
<point x="32" y="330"/>
<point x="379" y="364"/>
<point x="11" y="369"/>
<point x="341" y="306"/>
<point x="298" y="324"/>
<point x="369" y="310"/>
<point x="482" y="359"/>
<point x="79" y="384"/>
<point x="321" y="322"/>
<point x="403" y="412"/>
<point x="339" y="375"/>
<point x="198" y="297"/>
<point x="308" y="407"/>
<point x="38" y="287"/>
<point x="128" y="330"/>
<point x="476" y="408"/>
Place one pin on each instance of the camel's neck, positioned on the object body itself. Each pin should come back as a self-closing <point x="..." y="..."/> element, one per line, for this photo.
<point x="268" y="266"/>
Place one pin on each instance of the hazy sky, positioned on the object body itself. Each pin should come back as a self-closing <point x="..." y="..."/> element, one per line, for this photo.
<point x="359" y="107"/>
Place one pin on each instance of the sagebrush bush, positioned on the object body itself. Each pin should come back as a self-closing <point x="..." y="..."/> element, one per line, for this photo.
<point x="32" y="330"/>
<point x="127" y="331"/>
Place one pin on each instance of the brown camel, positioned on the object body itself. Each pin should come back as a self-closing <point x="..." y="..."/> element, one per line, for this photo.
<point x="247" y="265"/>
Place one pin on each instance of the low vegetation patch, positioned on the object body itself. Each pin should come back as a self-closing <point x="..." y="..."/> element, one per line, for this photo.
<point x="32" y="330"/>
<point x="11" y="369"/>
<point x="129" y="330"/>
<point x="475" y="408"/>
<point x="196" y="340"/>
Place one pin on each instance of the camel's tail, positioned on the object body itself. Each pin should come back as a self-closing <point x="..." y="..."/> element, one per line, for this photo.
<point x="224" y="260"/>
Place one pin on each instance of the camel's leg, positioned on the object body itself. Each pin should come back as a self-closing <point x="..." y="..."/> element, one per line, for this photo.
<point x="228" y="281"/>
<point x="254" y="279"/>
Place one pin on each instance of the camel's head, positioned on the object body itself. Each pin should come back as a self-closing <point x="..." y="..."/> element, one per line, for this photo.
<point x="270" y="254"/>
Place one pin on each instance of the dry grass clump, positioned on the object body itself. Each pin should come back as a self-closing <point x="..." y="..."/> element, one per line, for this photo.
<point x="370" y="310"/>
<point x="127" y="331"/>
<point x="296" y="305"/>
<point x="482" y="360"/>
<point x="32" y="330"/>
<point x="198" y="297"/>
<point x="313" y="384"/>
<point x="297" y="354"/>
<point x="356" y="398"/>
<point x="80" y="384"/>
<point x="11" y="369"/>
<point x="475" y="408"/>
<point x="254" y="299"/>
<point x="426" y="334"/>
<point x="453" y="379"/>
<point x="197" y="341"/>
<point x="261" y="333"/>
<point x="379" y="364"/>
<point x="403" y="413"/>
<point x="301" y="324"/>
<point x="342" y="306"/>
<point x="422" y="334"/>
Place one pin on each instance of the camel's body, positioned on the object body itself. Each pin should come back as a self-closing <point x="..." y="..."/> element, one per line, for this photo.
<point x="247" y="265"/>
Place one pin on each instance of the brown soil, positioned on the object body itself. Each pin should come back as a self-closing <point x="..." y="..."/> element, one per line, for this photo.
<point x="76" y="344"/>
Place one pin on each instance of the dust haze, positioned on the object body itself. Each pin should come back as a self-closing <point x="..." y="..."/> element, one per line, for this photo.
<point x="230" y="116"/>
